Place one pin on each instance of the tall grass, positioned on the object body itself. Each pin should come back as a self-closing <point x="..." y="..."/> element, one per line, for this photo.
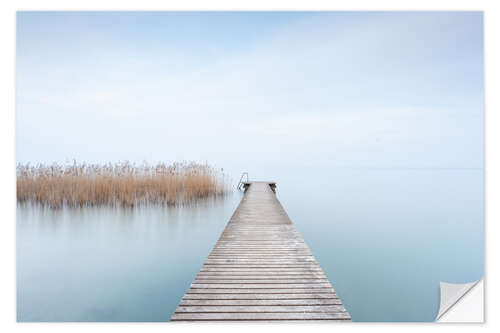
<point x="123" y="184"/>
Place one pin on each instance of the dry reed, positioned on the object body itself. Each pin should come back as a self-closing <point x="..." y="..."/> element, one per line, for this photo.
<point x="123" y="184"/>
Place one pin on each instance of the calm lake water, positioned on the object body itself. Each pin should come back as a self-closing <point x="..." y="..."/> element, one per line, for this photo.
<point x="385" y="238"/>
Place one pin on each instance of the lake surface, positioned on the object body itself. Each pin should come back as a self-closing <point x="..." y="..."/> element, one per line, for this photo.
<point x="385" y="238"/>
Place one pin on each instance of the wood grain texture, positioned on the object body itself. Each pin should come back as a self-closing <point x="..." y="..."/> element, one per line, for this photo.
<point x="224" y="316"/>
<point x="260" y="269"/>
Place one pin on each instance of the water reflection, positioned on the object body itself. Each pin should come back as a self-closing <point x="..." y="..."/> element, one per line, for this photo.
<point x="112" y="263"/>
<point x="385" y="238"/>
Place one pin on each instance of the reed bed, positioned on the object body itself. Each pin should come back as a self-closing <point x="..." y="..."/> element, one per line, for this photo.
<point x="125" y="184"/>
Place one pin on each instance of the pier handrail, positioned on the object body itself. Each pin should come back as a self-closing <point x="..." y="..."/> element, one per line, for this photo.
<point x="241" y="183"/>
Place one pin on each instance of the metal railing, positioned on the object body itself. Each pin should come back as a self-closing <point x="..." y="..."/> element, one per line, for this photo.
<point x="241" y="183"/>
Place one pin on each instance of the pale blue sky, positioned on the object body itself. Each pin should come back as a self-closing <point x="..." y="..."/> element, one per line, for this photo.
<point x="252" y="91"/>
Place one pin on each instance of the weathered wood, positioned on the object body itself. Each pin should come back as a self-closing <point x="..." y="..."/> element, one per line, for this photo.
<point x="202" y="276"/>
<point x="292" y="290"/>
<point x="259" y="285"/>
<point x="260" y="269"/>
<point x="229" y="267"/>
<point x="251" y="296"/>
<point x="257" y="278"/>
<point x="223" y="316"/>
<point x="199" y="280"/>
<point x="252" y="302"/>
<point x="258" y="251"/>
<point x="253" y="256"/>
<point x="259" y="261"/>
<point x="259" y="308"/>
<point x="250" y="266"/>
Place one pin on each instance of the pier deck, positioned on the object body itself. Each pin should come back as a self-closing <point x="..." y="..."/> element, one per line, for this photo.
<point x="260" y="269"/>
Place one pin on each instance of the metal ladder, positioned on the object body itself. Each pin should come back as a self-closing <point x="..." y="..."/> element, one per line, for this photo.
<point x="241" y="183"/>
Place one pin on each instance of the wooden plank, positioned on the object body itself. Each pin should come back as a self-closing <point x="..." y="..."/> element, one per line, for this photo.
<point x="262" y="262"/>
<point x="260" y="251"/>
<point x="251" y="266"/>
<point x="257" y="279"/>
<point x="259" y="285"/>
<point x="254" y="296"/>
<point x="259" y="308"/>
<point x="248" y="276"/>
<point x="261" y="242"/>
<point x="260" y="281"/>
<point x="263" y="255"/>
<point x="258" y="254"/>
<point x="259" y="261"/>
<point x="262" y="258"/>
<point x="259" y="290"/>
<point x="260" y="269"/>
<point x="261" y="248"/>
<point x="252" y="302"/>
<point x="259" y="316"/>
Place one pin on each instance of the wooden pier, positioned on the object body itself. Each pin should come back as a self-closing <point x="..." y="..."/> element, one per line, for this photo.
<point x="260" y="269"/>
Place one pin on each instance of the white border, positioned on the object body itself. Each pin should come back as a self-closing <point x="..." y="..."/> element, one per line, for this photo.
<point x="7" y="136"/>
